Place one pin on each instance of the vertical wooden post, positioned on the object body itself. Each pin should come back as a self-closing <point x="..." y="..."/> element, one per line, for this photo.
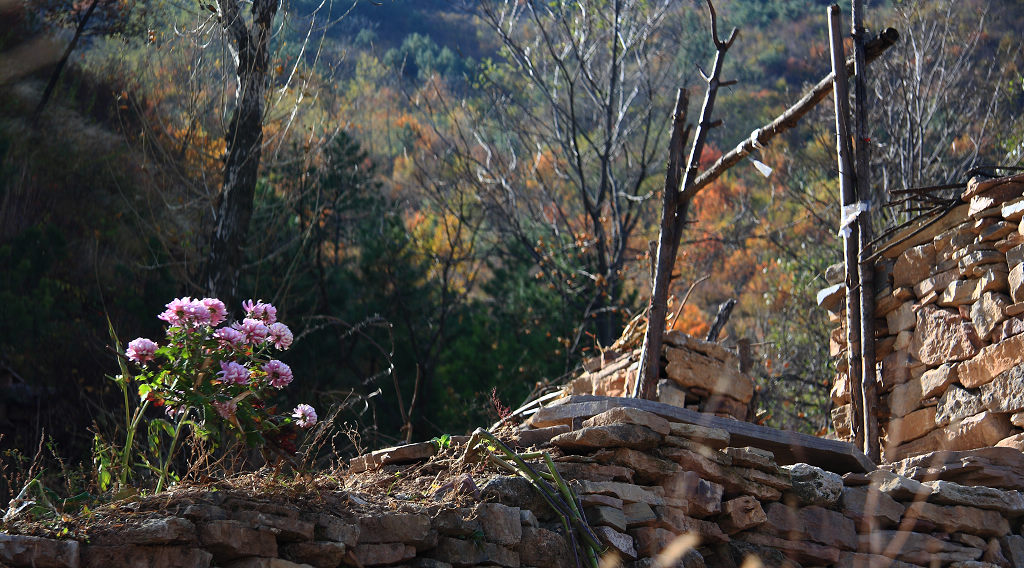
<point x="869" y="384"/>
<point x="850" y="230"/>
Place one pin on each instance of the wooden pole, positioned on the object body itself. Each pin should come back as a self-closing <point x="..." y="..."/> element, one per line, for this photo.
<point x="674" y="217"/>
<point x="869" y="384"/>
<point x="849" y="228"/>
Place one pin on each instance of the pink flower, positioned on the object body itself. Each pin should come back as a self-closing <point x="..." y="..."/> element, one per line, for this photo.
<point x="278" y="374"/>
<point x="175" y="311"/>
<point x="141" y="350"/>
<point x="230" y="337"/>
<point x="226" y="410"/>
<point x="279" y="335"/>
<point x="254" y="330"/>
<point x="233" y="373"/>
<point x="304" y="416"/>
<point x="218" y="311"/>
<point x="196" y="313"/>
<point x="258" y="310"/>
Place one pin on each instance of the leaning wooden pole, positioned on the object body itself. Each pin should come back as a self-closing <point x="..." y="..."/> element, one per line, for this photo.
<point x="848" y="225"/>
<point x="675" y="212"/>
<point x="868" y="383"/>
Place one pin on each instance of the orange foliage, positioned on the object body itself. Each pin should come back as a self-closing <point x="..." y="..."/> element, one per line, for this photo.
<point x="692" y="321"/>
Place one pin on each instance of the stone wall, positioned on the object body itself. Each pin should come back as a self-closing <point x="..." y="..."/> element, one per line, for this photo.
<point x="642" y="481"/>
<point x="950" y="353"/>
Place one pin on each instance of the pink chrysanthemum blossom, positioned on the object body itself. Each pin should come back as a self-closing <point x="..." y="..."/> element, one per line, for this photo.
<point x="196" y="313"/>
<point x="304" y="415"/>
<point x="218" y="311"/>
<point x="141" y="350"/>
<point x="175" y="311"/>
<point x="226" y="409"/>
<point x="233" y="373"/>
<point x="230" y="337"/>
<point x="279" y="335"/>
<point x="261" y="311"/>
<point x="278" y="374"/>
<point x="254" y="330"/>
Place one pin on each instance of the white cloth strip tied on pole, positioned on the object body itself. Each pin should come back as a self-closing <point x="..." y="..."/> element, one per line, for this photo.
<point x="849" y="216"/>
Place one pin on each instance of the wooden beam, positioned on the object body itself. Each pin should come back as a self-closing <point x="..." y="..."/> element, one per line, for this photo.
<point x="789" y="118"/>
<point x="788" y="447"/>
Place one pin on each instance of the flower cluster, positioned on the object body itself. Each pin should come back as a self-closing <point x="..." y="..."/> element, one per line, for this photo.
<point x="219" y="369"/>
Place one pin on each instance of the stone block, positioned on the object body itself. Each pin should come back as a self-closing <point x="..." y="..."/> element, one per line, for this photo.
<point x="1015" y="441"/>
<point x="740" y="514"/>
<point x="936" y="283"/>
<point x="703" y="497"/>
<point x="941" y="337"/>
<point x="609" y="436"/>
<point x="669" y="392"/>
<point x="916" y="548"/>
<point x="812" y="523"/>
<point x="319" y="554"/>
<point x="958" y="403"/>
<point x="802" y="551"/>
<point x="648" y="469"/>
<point x="988" y="312"/>
<point x="541" y="547"/>
<point x="904" y="399"/>
<point x="500" y="523"/>
<point x="691" y="369"/>
<point x="1015" y="281"/>
<point x="1008" y="502"/>
<point x="625" y="415"/>
<point x="638" y="514"/>
<point x="902" y="318"/>
<point x="978" y="431"/>
<point x="627" y="492"/>
<point x="991" y="361"/>
<point x="959" y="519"/>
<point x="1005" y="393"/>
<point x="842" y="420"/>
<point x="409" y="528"/>
<point x="832" y="297"/>
<point x="910" y="427"/>
<point x="136" y="556"/>
<point x="913" y="265"/>
<point x="230" y="539"/>
<point x="21" y="550"/>
<point x="935" y="381"/>
<point x="713" y="438"/>
<point x="460" y="553"/>
<point x="871" y="508"/>
<point x="616" y="540"/>
<point x="840" y="392"/>
<point x="895" y="370"/>
<point x="814" y="486"/>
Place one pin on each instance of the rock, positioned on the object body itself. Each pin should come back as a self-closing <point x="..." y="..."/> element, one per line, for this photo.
<point x="901" y="319"/>
<point x="703" y="497"/>
<point x="396" y="455"/>
<point x="987" y="313"/>
<point x="959" y="293"/>
<point x="740" y="514"/>
<point x="971" y="263"/>
<point x="408" y="528"/>
<point x="1013" y="210"/>
<point x="1013" y="547"/>
<point x="329" y="527"/>
<point x="151" y="531"/>
<point x="996" y="231"/>
<point x="466" y="553"/>
<point x="691" y="369"/>
<point x="648" y="469"/>
<point x="990" y="467"/>
<point x="531" y="437"/>
<point x="956" y="404"/>
<point x="897" y="486"/>
<point x="500" y="523"/>
<point x="1015" y="441"/>
<point x="139" y="556"/>
<point x="978" y="431"/>
<point x="609" y="436"/>
<point x="230" y="539"/>
<point x="924" y="444"/>
<point x="991" y="361"/>
<point x="936" y="283"/>
<point x="592" y="472"/>
<point x="840" y="392"/>
<point x="607" y="517"/>
<point x="625" y="415"/>
<point x="1005" y="393"/>
<point x="713" y="438"/>
<point x="805" y="552"/>
<point x="832" y="298"/>
<point x="858" y="560"/>
<point x="871" y="508"/>
<point x="941" y="337"/>
<point x="258" y="562"/>
<point x="18" y="550"/>
<point x="287" y="529"/>
<point x="910" y="427"/>
<point x="460" y="522"/>
<point x="916" y="548"/>
<point x="1015" y="256"/>
<point x="679" y="523"/>
<point x="320" y="554"/>
<point x="895" y="370"/>
<point x="1015" y="281"/>
<point x="617" y="540"/>
<point x="811" y="523"/>
<point x="1010" y="503"/>
<point x="935" y="381"/>
<point x="516" y="492"/>
<point x="815" y="486"/>
<point x="1012" y="326"/>
<point x="913" y="265"/>
<point x="753" y="457"/>
<point x="541" y="547"/>
<point x="638" y="514"/>
<point x="669" y="392"/>
<point x="628" y="492"/>
<point x="957" y="519"/>
<point x="904" y="399"/>
<point x="708" y="469"/>
<point x="842" y="420"/>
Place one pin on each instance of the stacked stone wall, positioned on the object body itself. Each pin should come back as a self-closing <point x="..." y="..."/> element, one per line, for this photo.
<point x="949" y="317"/>
<point x="643" y="481"/>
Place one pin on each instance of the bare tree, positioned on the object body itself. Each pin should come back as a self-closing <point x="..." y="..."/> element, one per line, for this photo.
<point x="250" y="47"/>
<point x="940" y="93"/>
<point x="573" y="139"/>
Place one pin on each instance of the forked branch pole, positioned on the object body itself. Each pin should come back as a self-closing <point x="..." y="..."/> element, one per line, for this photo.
<point x="677" y="180"/>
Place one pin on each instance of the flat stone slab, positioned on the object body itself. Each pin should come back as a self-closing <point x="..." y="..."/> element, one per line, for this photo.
<point x="788" y="447"/>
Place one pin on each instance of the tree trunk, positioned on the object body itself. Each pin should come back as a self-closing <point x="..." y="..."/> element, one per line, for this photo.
<point x="250" y="46"/>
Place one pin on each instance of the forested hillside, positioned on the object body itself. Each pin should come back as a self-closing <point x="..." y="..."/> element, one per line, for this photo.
<point x="454" y="200"/>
